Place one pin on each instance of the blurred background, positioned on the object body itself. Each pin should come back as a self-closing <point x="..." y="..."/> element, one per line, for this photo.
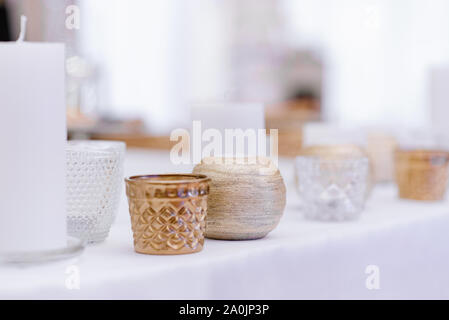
<point x="346" y="71"/>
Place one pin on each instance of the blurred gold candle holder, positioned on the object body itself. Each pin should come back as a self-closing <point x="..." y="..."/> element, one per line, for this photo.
<point x="421" y="174"/>
<point x="334" y="152"/>
<point x="168" y="212"/>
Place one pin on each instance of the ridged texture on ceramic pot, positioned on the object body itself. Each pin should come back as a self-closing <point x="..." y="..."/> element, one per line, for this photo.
<point x="247" y="197"/>
<point x="421" y="174"/>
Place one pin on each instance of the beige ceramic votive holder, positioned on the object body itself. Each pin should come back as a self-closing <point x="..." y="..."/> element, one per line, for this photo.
<point x="168" y="212"/>
<point x="247" y="197"/>
<point x="421" y="174"/>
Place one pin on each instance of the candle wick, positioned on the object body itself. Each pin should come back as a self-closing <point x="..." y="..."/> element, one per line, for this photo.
<point x="23" y="28"/>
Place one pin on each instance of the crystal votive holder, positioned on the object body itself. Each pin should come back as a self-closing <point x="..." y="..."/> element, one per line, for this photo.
<point x="332" y="188"/>
<point x="340" y="151"/>
<point x="168" y="212"/>
<point x="94" y="182"/>
<point x="422" y="174"/>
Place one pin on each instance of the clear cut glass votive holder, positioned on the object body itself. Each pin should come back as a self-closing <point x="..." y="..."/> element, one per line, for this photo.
<point x="340" y="151"/>
<point x="168" y="212"/>
<point x="94" y="183"/>
<point x="332" y="189"/>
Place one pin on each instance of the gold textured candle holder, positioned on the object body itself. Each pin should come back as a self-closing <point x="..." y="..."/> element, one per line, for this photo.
<point x="168" y="212"/>
<point x="421" y="174"/>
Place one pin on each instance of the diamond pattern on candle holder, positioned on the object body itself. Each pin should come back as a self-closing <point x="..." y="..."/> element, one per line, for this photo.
<point x="164" y="223"/>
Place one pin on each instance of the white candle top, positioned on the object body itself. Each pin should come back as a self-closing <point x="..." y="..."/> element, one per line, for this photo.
<point x="23" y="27"/>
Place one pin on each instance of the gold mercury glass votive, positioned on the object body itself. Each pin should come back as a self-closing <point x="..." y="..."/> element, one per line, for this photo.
<point x="421" y="174"/>
<point x="168" y="212"/>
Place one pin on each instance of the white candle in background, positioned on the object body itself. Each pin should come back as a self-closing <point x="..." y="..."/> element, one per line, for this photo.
<point x="32" y="141"/>
<point x="228" y="115"/>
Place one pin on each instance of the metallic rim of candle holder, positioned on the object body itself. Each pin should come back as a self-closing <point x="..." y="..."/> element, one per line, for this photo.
<point x="166" y="180"/>
<point x="170" y="178"/>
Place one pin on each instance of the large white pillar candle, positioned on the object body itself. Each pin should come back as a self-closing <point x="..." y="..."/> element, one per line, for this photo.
<point x="32" y="141"/>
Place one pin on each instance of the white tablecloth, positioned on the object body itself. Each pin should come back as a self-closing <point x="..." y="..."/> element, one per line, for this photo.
<point x="406" y="241"/>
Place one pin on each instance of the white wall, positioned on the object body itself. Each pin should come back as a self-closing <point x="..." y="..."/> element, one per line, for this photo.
<point x="158" y="56"/>
<point x="135" y="45"/>
<point x="155" y="57"/>
<point x="379" y="53"/>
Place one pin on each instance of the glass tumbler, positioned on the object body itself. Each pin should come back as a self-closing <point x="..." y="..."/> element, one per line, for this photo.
<point x="94" y="182"/>
<point x="168" y="212"/>
<point x="340" y="151"/>
<point x="332" y="188"/>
